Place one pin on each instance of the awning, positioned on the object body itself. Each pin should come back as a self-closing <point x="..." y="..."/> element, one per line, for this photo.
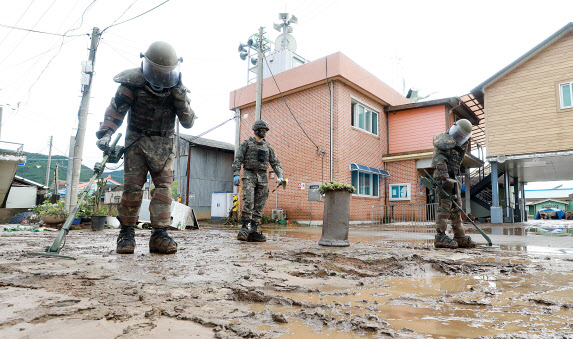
<point x="357" y="167"/>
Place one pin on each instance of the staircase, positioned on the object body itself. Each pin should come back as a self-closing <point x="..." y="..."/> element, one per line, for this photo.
<point x="480" y="181"/>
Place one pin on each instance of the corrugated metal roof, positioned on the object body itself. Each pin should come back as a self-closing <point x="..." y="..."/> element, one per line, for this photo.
<point x="225" y="146"/>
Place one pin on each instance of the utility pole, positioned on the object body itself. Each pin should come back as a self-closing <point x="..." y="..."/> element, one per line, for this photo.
<point x="178" y="158"/>
<point x="82" y="121"/>
<point x="49" y="162"/>
<point x="259" y="75"/>
<point x="56" y="186"/>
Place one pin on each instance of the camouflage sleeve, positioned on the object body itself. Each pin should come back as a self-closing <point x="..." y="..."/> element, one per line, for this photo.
<point x="182" y="106"/>
<point x="116" y="111"/>
<point x="239" y="158"/>
<point x="275" y="163"/>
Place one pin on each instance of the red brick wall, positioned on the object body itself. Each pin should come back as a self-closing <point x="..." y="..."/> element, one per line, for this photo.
<point x="405" y="172"/>
<point x="299" y="157"/>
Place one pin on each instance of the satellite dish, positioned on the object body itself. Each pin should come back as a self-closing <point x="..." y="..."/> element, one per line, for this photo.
<point x="290" y="42"/>
<point x="501" y="158"/>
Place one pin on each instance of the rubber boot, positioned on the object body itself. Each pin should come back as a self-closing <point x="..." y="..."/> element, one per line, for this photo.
<point x="443" y="241"/>
<point x="464" y="241"/>
<point x="161" y="242"/>
<point x="244" y="231"/>
<point x="254" y="234"/>
<point x="126" y="240"/>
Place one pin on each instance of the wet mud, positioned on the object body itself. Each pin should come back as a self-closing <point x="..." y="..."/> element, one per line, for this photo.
<point x="218" y="287"/>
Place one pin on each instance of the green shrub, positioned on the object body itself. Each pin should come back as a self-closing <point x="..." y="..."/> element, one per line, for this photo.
<point x="51" y="209"/>
<point x="335" y="186"/>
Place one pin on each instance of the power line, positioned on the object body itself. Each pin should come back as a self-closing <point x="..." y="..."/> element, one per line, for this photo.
<point x="137" y="16"/>
<point x="20" y="18"/>
<point x="318" y="149"/>
<point x="35" y="31"/>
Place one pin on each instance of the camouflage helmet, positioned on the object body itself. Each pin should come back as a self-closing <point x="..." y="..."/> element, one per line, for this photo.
<point x="260" y="124"/>
<point x="161" y="66"/>
<point x="162" y="53"/>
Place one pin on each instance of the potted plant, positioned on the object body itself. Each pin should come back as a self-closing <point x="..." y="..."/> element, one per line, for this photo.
<point x="100" y="210"/>
<point x="51" y="213"/>
<point x="336" y="213"/>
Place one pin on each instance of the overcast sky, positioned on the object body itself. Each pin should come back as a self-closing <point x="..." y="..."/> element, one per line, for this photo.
<point x="441" y="47"/>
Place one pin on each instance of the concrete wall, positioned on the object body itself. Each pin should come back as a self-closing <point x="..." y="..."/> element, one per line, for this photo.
<point x="210" y="171"/>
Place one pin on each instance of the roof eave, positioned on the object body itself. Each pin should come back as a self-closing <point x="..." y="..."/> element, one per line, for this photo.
<point x="524" y="58"/>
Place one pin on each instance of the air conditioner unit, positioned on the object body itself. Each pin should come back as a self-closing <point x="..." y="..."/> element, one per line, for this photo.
<point x="278" y="214"/>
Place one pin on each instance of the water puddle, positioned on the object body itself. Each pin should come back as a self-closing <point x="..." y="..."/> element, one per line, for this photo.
<point x="448" y="306"/>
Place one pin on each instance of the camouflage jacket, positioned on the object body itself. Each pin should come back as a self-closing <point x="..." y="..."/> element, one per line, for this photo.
<point x="149" y="112"/>
<point x="256" y="156"/>
<point x="447" y="157"/>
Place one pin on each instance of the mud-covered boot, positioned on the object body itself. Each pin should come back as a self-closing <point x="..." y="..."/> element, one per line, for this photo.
<point x="244" y="231"/>
<point x="126" y="240"/>
<point x="443" y="241"/>
<point x="161" y="242"/>
<point x="464" y="241"/>
<point x="254" y="234"/>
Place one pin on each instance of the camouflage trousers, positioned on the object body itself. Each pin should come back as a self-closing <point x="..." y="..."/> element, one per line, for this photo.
<point x="447" y="210"/>
<point x="153" y="154"/>
<point x="255" y="194"/>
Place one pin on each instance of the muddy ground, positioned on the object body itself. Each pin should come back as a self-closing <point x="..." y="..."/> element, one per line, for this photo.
<point x="386" y="284"/>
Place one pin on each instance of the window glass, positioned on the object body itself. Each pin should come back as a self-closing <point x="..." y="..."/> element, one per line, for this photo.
<point x="566" y="95"/>
<point x="375" y="185"/>
<point x="365" y="183"/>
<point x="375" y="124"/>
<point x="364" y="118"/>
<point x="355" y="179"/>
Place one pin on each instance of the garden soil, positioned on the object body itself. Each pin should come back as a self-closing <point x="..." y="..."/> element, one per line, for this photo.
<point x="385" y="284"/>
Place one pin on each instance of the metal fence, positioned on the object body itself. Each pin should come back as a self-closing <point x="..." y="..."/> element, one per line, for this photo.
<point x="419" y="218"/>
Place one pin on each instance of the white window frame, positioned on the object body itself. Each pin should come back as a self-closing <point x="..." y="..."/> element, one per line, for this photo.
<point x="561" y="104"/>
<point x="371" y="111"/>
<point x="408" y="188"/>
<point x="356" y="193"/>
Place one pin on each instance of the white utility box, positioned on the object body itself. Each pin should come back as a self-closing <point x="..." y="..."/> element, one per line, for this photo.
<point x="221" y="204"/>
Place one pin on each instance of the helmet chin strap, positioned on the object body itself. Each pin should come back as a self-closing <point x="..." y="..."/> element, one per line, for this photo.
<point x="155" y="88"/>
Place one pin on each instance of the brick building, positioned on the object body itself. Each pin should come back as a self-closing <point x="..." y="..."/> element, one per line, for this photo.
<point x="344" y="125"/>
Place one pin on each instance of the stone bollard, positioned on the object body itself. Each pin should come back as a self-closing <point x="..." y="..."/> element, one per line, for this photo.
<point x="336" y="219"/>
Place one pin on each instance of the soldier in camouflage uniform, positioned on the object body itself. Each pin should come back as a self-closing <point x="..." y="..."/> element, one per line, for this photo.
<point x="255" y="155"/>
<point x="153" y="95"/>
<point x="449" y="151"/>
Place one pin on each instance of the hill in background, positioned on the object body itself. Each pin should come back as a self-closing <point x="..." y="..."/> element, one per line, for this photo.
<point x="36" y="166"/>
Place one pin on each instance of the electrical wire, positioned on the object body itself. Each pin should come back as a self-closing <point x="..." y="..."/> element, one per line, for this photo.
<point x="41" y="32"/>
<point x="20" y="18"/>
<point x="121" y="54"/>
<point x="122" y="14"/>
<point x="318" y="149"/>
<point x="137" y="16"/>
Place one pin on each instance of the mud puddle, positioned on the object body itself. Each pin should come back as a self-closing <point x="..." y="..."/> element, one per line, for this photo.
<point x="289" y="286"/>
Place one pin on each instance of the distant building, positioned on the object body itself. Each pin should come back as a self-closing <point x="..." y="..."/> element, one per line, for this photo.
<point x="356" y="130"/>
<point x="206" y="170"/>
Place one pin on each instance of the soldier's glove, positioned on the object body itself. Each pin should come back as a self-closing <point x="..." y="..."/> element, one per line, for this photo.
<point x="449" y="184"/>
<point x="179" y="92"/>
<point x="280" y="180"/>
<point x="236" y="180"/>
<point x="103" y="143"/>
